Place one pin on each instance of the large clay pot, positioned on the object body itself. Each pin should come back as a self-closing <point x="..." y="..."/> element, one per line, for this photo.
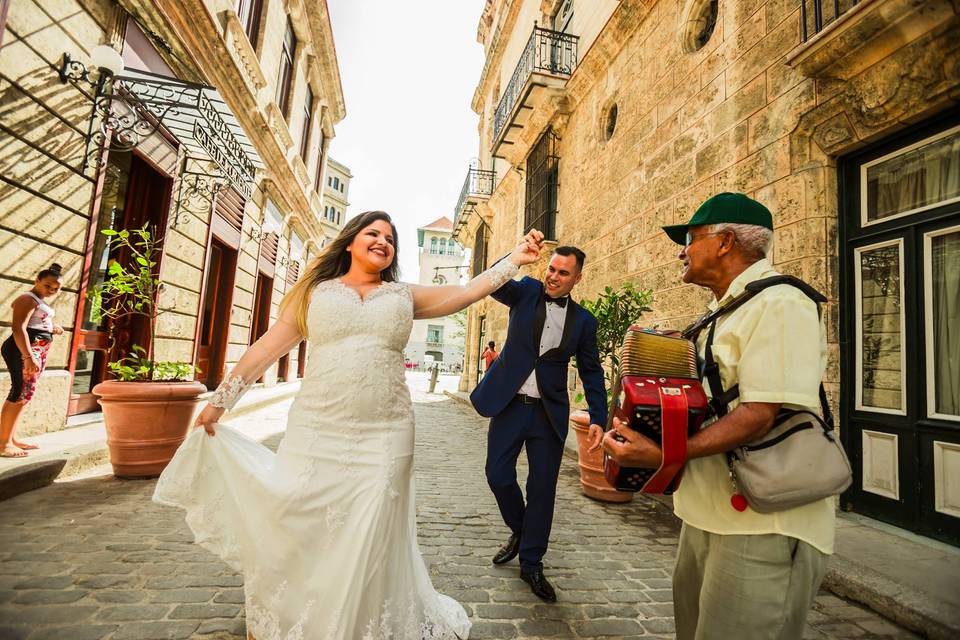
<point x="594" y="484"/>
<point x="146" y="422"/>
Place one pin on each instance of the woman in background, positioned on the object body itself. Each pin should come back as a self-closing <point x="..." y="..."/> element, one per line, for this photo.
<point x="25" y="354"/>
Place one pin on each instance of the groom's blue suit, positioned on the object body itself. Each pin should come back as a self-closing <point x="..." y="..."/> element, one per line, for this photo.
<point x="541" y="425"/>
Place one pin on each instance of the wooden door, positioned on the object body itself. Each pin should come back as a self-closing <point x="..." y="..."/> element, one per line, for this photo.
<point x="133" y="193"/>
<point x="215" y="322"/>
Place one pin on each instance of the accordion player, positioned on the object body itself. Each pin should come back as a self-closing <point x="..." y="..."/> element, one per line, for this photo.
<point x="663" y="400"/>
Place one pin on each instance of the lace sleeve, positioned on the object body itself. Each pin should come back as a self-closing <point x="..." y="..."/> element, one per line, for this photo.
<point x="498" y="274"/>
<point x="434" y="302"/>
<point x="228" y="393"/>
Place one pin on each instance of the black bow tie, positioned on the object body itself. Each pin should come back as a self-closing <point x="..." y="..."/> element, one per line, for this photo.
<point x="562" y="302"/>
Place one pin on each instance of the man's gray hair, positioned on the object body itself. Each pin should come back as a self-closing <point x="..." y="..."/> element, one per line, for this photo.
<point x="755" y="240"/>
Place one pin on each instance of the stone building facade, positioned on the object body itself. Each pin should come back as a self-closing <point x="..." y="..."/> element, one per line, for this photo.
<point x="336" y="198"/>
<point x="213" y="128"/>
<point x="441" y="262"/>
<point x="601" y="121"/>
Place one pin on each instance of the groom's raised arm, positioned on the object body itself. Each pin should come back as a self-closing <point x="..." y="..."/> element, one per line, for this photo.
<point x="591" y="373"/>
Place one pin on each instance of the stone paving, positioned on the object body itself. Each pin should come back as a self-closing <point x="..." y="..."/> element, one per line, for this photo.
<point x="95" y="558"/>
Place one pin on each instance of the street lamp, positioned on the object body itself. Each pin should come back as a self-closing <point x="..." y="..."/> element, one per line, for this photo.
<point x="104" y="59"/>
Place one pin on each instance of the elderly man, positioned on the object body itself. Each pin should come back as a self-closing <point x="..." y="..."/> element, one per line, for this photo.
<point x="740" y="573"/>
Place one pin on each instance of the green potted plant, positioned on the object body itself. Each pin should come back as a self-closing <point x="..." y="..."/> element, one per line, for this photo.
<point x="148" y="407"/>
<point x="615" y="311"/>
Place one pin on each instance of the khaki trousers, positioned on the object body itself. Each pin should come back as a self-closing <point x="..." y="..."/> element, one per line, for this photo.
<point x="744" y="586"/>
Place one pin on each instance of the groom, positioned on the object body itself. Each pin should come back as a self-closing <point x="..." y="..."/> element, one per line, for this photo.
<point x="524" y="392"/>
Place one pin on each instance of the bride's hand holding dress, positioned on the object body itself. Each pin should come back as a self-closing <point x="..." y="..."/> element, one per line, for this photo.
<point x="279" y="339"/>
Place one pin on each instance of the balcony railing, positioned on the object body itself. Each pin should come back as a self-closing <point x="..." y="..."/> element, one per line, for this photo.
<point x="816" y="15"/>
<point x="477" y="185"/>
<point x="550" y="52"/>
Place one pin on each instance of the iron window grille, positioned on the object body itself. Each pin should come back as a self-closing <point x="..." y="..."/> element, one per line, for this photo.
<point x="816" y="15"/>
<point x="285" y="83"/>
<point x="543" y="166"/>
<point x="547" y="51"/>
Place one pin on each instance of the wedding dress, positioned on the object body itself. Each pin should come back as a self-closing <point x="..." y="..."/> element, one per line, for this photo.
<point x="324" y="531"/>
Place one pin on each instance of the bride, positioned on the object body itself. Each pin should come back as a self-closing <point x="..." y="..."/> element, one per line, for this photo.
<point x="324" y="530"/>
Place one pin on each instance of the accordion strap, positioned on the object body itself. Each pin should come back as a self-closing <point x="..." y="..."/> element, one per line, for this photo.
<point x="673" y="421"/>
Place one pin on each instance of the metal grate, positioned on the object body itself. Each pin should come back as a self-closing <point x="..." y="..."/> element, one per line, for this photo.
<point x="817" y="15"/>
<point x="543" y="166"/>
<point x="546" y="52"/>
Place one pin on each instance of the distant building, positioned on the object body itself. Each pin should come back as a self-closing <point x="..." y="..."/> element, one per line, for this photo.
<point x="441" y="262"/>
<point x="336" y="191"/>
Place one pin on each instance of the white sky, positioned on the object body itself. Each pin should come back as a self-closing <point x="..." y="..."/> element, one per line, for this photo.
<point x="409" y="69"/>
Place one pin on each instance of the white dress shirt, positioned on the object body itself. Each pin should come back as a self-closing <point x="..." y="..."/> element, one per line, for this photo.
<point x="549" y="339"/>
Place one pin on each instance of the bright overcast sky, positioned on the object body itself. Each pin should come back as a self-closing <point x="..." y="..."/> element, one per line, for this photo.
<point x="409" y="70"/>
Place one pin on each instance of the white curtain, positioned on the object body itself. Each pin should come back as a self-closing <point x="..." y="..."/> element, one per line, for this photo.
<point x="922" y="177"/>
<point x="946" y="322"/>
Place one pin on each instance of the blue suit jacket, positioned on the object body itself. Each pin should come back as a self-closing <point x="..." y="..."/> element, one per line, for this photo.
<point x="521" y="354"/>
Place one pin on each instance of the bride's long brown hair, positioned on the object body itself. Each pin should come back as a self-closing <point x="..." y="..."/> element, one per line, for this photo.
<point x="334" y="261"/>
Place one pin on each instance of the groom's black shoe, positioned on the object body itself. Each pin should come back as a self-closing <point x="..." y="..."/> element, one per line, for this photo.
<point x="539" y="586"/>
<point x="508" y="551"/>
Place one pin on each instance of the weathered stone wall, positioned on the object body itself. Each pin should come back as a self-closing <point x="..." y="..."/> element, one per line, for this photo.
<point x="44" y="193"/>
<point x="733" y="116"/>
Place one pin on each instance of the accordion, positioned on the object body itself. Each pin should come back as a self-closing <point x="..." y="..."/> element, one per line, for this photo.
<point x="663" y="400"/>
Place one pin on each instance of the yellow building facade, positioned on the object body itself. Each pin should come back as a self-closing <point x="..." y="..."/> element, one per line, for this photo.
<point x="601" y="121"/>
<point x="209" y="121"/>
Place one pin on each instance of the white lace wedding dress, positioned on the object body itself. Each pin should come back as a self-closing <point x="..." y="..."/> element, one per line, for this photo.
<point x="324" y="530"/>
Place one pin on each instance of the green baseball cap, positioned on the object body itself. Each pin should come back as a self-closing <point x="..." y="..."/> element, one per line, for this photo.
<point x="733" y="208"/>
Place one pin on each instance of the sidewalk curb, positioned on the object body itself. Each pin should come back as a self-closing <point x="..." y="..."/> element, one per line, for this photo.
<point x="909" y="608"/>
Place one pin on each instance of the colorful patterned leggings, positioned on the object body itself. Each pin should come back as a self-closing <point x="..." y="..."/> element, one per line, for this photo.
<point x="23" y="386"/>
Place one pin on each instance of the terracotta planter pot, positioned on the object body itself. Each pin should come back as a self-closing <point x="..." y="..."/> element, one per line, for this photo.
<point x="146" y="422"/>
<point x="594" y="484"/>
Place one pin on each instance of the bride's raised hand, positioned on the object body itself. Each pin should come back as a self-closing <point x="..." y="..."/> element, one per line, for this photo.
<point x="209" y="417"/>
<point x="528" y="251"/>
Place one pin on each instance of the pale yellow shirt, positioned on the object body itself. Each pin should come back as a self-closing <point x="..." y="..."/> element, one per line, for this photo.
<point x="775" y="347"/>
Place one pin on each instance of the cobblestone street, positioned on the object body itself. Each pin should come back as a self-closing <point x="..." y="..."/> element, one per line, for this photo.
<point x="95" y="558"/>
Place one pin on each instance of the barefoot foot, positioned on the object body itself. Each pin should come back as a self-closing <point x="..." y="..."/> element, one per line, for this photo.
<point x="10" y="450"/>
<point x="26" y="446"/>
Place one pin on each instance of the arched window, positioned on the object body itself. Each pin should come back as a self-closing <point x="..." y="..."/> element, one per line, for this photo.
<point x="433" y="245"/>
<point x="443" y="246"/>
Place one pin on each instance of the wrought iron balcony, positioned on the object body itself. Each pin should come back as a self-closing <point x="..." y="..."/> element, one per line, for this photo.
<point x="547" y="61"/>
<point x="816" y="15"/>
<point x="477" y="186"/>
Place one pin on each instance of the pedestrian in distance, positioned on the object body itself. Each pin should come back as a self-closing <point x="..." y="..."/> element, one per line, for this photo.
<point x="25" y="353"/>
<point x="489" y="354"/>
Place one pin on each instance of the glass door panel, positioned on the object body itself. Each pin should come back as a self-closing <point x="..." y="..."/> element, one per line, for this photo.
<point x="942" y="285"/>
<point x="880" y="328"/>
